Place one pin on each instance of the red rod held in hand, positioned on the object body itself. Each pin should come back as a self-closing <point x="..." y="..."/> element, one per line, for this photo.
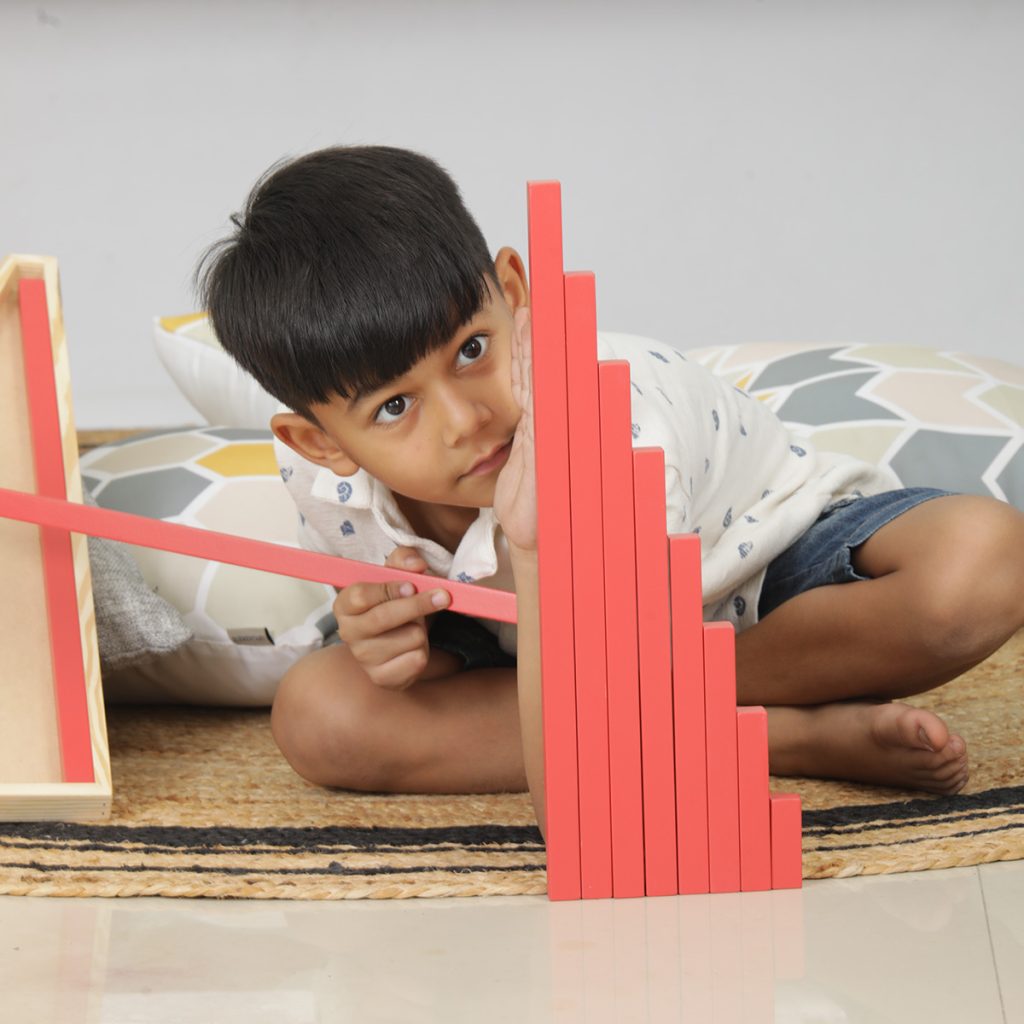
<point x="252" y="554"/>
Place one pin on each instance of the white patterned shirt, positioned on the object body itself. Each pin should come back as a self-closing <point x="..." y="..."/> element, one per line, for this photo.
<point x="734" y="474"/>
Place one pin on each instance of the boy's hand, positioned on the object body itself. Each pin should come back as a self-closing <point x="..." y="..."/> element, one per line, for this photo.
<point x="385" y="628"/>
<point x="515" y="493"/>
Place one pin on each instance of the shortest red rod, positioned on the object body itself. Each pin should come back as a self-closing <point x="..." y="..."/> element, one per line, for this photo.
<point x="499" y="605"/>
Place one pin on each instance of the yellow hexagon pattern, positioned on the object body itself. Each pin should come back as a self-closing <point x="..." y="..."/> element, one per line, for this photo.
<point x="246" y="459"/>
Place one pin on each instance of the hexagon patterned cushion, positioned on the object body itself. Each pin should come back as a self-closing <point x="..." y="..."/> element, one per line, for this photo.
<point x="938" y="419"/>
<point x="248" y="627"/>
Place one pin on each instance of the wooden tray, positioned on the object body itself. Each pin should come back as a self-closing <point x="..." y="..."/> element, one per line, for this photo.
<point x="54" y="763"/>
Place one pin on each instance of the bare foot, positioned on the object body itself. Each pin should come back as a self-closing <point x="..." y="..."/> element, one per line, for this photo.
<point x="884" y="744"/>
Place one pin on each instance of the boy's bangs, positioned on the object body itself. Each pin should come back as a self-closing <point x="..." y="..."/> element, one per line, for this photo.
<point x="407" y="317"/>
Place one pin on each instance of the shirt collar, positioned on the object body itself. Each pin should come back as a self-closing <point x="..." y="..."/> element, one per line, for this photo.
<point x="476" y="556"/>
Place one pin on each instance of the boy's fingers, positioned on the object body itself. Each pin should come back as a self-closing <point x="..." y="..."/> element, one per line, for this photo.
<point x="410" y="601"/>
<point x="522" y="348"/>
<point x="400" y="672"/>
<point x="409" y="559"/>
<point x="522" y="322"/>
<point x="359" y="598"/>
<point x="396" y="658"/>
<point x="379" y="650"/>
<point x="391" y="604"/>
<point x="405" y="557"/>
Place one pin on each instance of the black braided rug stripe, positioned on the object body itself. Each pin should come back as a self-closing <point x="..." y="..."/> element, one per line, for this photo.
<point x="252" y="842"/>
<point x="56" y="850"/>
<point x="233" y="861"/>
<point x="927" y="809"/>
<point x="155" y="838"/>
<point x="993" y="818"/>
<point x="859" y="820"/>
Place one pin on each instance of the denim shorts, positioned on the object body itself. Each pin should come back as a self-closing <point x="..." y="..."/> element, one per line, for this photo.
<point x="470" y="640"/>
<point x="822" y="555"/>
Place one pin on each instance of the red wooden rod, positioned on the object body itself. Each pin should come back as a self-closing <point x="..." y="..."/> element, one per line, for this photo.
<point x="554" y="539"/>
<point x="468" y="599"/>
<point x="74" y="733"/>
<point x="622" y="653"/>
<point x="587" y="529"/>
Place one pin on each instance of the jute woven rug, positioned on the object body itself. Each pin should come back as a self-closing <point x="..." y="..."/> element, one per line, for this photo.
<point x="205" y="806"/>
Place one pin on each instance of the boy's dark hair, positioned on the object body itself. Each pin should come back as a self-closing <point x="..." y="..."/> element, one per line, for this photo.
<point x="348" y="266"/>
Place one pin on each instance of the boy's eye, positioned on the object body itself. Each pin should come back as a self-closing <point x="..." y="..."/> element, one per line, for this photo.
<point x="475" y="347"/>
<point x="393" y="407"/>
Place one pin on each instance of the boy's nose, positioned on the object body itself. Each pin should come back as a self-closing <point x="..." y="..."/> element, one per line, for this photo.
<point x="464" y="415"/>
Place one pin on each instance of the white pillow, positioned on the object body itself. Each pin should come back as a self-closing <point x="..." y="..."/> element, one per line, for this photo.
<point x="248" y="627"/>
<point x="218" y="388"/>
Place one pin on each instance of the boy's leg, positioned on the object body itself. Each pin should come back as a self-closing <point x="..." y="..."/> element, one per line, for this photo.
<point x="944" y="593"/>
<point x="454" y="733"/>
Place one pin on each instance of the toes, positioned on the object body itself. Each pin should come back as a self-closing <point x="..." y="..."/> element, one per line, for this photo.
<point x="951" y="778"/>
<point x="931" y="732"/>
<point x="950" y="770"/>
<point x="952" y="757"/>
<point x="914" y="727"/>
<point x="945" y="786"/>
<point x="926" y="731"/>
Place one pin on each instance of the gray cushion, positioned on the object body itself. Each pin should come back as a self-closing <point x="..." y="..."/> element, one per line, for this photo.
<point x="133" y="624"/>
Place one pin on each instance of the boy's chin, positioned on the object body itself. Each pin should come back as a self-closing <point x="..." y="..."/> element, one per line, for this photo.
<point x="473" y="503"/>
<point x="449" y="501"/>
<point x="471" y="493"/>
<point x="479" y="494"/>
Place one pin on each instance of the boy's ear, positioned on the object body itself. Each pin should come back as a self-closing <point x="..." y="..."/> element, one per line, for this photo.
<point x="511" y="274"/>
<point x="312" y="442"/>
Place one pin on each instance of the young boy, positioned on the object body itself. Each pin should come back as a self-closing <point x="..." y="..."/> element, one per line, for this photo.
<point x="358" y="290"/>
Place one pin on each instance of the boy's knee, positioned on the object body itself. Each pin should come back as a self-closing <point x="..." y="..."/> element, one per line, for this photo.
<point x="323" y="726"/>
<point x="972" y="600"/>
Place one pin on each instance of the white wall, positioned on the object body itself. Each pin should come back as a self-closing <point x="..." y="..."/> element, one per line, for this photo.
<point x="785" y="169"/>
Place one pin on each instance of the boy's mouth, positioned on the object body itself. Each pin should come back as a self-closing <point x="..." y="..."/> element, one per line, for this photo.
<point x="494" y="460"/>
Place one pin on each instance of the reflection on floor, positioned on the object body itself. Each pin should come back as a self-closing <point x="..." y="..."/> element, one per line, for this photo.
<point x="934" y="946"/>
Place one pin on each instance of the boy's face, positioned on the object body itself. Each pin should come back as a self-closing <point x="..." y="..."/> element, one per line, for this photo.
<point x="440" y="434"/>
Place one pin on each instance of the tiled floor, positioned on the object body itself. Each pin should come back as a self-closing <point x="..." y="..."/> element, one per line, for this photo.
<point x="935" y="947"/>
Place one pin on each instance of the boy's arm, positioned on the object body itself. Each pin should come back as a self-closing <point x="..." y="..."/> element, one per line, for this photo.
<point x="515" y="505"/>
<point x="531" y="724"/>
